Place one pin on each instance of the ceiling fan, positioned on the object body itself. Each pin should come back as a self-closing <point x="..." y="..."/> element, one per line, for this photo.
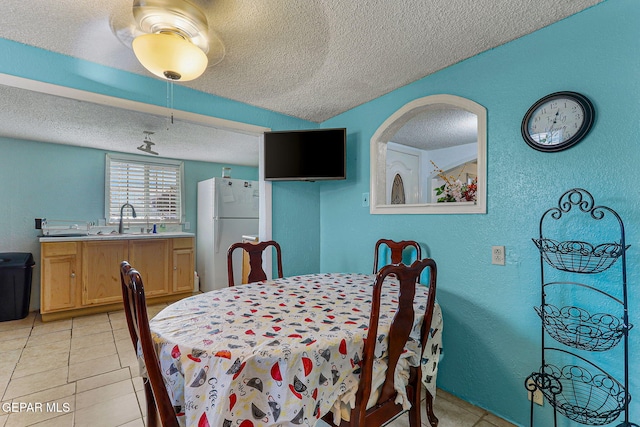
<point x="171" y="38"/>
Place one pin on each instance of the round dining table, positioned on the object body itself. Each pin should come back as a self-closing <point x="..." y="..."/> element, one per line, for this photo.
<point x="279" y="352"/>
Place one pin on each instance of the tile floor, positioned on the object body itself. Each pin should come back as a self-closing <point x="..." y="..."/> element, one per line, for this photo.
<point x="83" y="372"/>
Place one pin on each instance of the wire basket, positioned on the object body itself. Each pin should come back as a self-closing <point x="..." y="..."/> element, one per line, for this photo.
<point x="579" y="257"/>
<point x="577" y="328"/>
<point x="581" y="395"/>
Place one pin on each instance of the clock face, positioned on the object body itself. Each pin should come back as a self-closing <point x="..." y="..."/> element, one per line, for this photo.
<point x="557" y="121"/>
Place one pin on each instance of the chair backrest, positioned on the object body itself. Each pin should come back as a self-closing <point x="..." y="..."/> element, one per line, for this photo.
<point x="400" y="329"/>
<point x="397" y="249"/>
<point x="135" y="309"/>
<point x="255" y="251"/>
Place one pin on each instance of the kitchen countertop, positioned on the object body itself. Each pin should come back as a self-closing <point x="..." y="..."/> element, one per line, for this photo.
<point x="116" y="236"/>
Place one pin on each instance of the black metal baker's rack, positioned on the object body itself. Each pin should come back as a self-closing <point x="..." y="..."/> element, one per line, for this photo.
<point x="580" y="390"/>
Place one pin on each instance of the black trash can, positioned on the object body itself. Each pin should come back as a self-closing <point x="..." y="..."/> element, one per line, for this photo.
<point x="16" y="271"/>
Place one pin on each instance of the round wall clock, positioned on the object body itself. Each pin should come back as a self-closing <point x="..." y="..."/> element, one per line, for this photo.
<point x="557" y="121"/>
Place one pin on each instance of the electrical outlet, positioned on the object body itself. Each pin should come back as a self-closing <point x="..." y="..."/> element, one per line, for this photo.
<point x="187" y="225"/>
<point x="538" y="397"/>
<point x="497" y="255"/>
<point x="365" y="200"/>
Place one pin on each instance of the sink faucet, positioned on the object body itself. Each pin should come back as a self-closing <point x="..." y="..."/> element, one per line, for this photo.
<point x="120" y="227"/>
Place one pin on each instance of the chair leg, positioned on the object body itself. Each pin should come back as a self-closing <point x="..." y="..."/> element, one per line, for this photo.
<point x="433" y="420"/>
<point x="413" y="394"/>
<point x="152" y="413"/>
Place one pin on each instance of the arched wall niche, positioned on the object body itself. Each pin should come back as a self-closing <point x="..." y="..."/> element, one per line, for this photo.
<point x="445" y="133"/>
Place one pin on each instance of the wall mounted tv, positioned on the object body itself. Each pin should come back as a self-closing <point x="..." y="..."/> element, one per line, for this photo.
<point x="305" y="155"/>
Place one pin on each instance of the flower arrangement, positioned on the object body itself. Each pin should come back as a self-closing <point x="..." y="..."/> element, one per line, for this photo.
<point x="454" y="190"/>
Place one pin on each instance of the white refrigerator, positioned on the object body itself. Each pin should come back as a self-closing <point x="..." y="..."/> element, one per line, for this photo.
<point x="227" y="210"/>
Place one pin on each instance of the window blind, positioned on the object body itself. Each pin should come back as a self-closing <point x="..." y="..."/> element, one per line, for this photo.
<point x="154" y="188"/>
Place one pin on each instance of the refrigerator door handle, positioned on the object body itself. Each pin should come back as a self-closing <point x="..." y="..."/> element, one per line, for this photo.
<point x="216" y="234"/>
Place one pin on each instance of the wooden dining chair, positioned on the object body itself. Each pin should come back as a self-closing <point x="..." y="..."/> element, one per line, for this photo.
<point x="255" y="251"/>
<point x="135" y="310"/>
<point x="385" y="408"/>
<point x="397" y="250"/>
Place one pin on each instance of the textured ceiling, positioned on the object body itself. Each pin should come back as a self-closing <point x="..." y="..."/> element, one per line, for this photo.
<point x="311" y="59"/>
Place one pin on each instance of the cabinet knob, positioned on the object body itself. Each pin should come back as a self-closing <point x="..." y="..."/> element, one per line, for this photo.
<point x="73" y="275"/>
<point x="175" y="267"/>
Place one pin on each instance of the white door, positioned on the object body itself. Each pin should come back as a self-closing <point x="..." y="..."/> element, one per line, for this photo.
<point x="403" y="174"/>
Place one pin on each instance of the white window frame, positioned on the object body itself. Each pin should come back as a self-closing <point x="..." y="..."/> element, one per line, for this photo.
<point x="142" y="216"/>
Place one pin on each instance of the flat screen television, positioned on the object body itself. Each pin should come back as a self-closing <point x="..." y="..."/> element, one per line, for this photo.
<point x="305" y="155"/>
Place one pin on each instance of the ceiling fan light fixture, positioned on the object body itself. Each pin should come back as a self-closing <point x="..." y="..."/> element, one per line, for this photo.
<point x="170" y="56"/>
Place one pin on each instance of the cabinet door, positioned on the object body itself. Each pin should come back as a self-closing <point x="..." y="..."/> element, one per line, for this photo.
<point x="183" y="268"/>
<point x="59" y="275"/>
<point x="183" y="264"/>
<point x="151" y="258"/>
<point x="101" y="271"/>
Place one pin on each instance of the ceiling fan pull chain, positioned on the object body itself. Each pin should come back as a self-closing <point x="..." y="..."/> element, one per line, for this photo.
<point x="170" y="101"/>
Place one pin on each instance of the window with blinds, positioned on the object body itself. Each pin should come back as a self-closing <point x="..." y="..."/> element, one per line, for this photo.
<point x="153" y="187"/>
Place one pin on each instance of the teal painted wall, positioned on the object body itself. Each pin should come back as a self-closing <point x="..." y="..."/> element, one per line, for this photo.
<point x="491" y="332"/>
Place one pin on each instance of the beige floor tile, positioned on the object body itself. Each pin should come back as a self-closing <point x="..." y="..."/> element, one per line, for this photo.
<point x="142" y="401"/>
<point x="119" y="324"/>
<point x="14" y="344"/>
<point x="27" y="322"/>
<point x="122" y="334"/>
<point x="49" y="338"/>
<point x="44" y="349"/>
<point x="451" y="415"/>
<point x="3" y="389"/>
<point x="102" y="394"/>
<point x="441" y="394"/>
<point x="65" y="391"/>
<point x="79" y="322"/>
<point x="137" y="383"/>
<point x="135" y="423"/>
<point x="103" y="379"/>
<point x="94" y="367"/>
<point x="9" y="359"/>
<point x="36" y="382"/>
<point x="79" y="355"/>
<point x="47" y="328"/>
<point x="47" y="414"/>
<point x="3" y="419"/>
<point x="91" y="340"/>
<point x="114" y="412"/>
<point x="90" y="329"/>
<point x="29" y="366"/>
<point x="128" y="357"/>
<point x="14" y="334"/>
<point x="61" y="421"/>
<point x="118" y="320"/>
<point x="55" y="402"/>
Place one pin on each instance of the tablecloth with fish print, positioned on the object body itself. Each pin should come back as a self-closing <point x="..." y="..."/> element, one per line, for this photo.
<point x="277" y="353"/>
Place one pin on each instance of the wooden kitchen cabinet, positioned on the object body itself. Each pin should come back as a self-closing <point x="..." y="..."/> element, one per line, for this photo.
<point x="101" y="275"/>
<point x="151" y="258"/>
<point x="83" y="277"/>
<point x="61" y="271"/>
<point x="183" y="265"/>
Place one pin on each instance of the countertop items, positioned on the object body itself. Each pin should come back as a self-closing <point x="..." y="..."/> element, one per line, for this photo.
<point x="116" y="236"/>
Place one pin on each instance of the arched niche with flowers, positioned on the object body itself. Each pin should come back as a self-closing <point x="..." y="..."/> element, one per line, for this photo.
<point x="436" y="145"/>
